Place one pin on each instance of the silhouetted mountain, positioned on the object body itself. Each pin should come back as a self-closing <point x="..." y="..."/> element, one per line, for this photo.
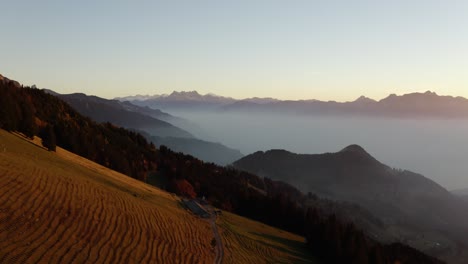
<point x="414" y="105"/>
<point x="403" y="200"/>
<point x="185" y="124"/>
<point x="144" y="119"/>
<point x="127" y="105"/>
<point x="426" y="104"/>
<point x="156" y="113"/>
<point x="364" y="100"/>
<point x="204" y="150"/>
<point x="115" y="112"/>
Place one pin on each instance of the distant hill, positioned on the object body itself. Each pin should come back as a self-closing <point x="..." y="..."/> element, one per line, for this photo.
<point x="402" y="199"/>
<point x="204" y="150"/>
<point x="146" y="119"/>
<point x="413" y="105"/>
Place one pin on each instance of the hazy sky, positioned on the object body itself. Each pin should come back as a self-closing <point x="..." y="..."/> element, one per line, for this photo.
<point x="287" y="49"/>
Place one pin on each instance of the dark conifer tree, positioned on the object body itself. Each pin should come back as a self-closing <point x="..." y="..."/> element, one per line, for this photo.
<point x="48" y="138"/>
<point x="27" y="125"/>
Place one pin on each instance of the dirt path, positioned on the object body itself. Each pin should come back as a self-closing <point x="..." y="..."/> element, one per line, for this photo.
<point x="219" y="250"/>
<point x="209" y="214"/>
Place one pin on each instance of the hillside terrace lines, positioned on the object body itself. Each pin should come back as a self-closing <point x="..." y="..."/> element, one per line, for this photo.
<point x="66" y="221"/>
<point x="90" y="236"/>
<point x="60" y="215"/>
<point x="37" y="221"/>
<point x="126" y="243"/>
<point x="135" y="242"/>
<point x="56" y="246"/>
<point x="130" y="230"/>
<point x="82" y="227"/>
<point x="42" y="223"/>
<point x="247" y="241"/>
<point x="27" y="219"/>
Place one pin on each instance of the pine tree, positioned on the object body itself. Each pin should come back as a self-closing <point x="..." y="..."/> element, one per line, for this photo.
<point x="27" y="125"/>
<point x="48" y="138"/>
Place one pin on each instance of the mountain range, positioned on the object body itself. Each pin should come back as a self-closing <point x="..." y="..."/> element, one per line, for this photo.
<point x="411" y="206"/>
<point x="156" y="125"/>
<point x="180" y="100"/>
<point x="413" y="105"/>
<point x="123" y="114"/>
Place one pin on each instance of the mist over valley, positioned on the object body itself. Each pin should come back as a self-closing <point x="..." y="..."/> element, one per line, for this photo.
<point x="436" y="148"/>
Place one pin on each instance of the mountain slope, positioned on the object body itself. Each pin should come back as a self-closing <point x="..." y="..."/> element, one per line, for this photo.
<point x="60" y="208"/>
<point x="204" y="150"/>
<point x="145" y="119"/>
<point x="402" y="199"/>
<point x="115" y="112"/>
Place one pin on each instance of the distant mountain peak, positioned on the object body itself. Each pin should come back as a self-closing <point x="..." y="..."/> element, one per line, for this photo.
<point x="354" y="148"/>
<point x="430" y="92"/>
<point x="358" y="151"/>
<point x="189" y="93"/>
<point x="364" y="99"/>
<point x="277" y="151"/>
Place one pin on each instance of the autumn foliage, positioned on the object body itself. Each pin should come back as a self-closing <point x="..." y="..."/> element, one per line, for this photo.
<point x="183" y="188"/>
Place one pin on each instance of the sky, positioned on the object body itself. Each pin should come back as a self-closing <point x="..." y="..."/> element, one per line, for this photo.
<point x="328" y="50"/>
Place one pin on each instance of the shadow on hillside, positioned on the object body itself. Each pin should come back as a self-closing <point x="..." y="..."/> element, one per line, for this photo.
<point x="290" y="247"/>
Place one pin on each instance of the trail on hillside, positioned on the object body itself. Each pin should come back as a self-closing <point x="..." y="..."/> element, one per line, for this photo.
<point x="219" y="250"/>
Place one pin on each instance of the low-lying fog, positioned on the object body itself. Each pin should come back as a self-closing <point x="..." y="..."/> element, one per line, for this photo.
<point x="435" y="148"/>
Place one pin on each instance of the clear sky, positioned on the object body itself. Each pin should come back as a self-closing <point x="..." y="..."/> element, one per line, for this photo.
<point x="329" y="50"/>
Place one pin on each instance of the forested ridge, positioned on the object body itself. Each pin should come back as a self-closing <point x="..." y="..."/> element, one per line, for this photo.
<point x="33" y="112"/>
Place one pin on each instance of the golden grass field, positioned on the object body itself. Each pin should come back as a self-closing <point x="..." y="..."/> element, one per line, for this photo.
<point x="248" y="241"/>
<point x="62" y="208"/>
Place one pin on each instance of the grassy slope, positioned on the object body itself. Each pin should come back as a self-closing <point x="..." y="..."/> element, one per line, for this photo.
<point x="248" y="241"/>
<point x="61" y="208"/>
